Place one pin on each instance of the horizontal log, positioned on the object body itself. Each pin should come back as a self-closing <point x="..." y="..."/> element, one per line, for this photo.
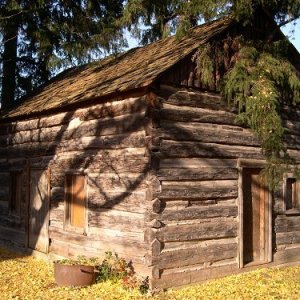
<point x="124" y="182"/>
<point x="287" y="255"/>
<point x="12" y="235"/>
<point x="192" y="114"/>
<point x="199" y="190"/>
<point x="196" y="255"/>
<point x="183" y="97"/>
<point x="57" y="213"/>
<point x="202" y="231"/>
<point x="201" y="173"/>
<point x="136" y="139"/>
<point x="210" y="133"/>
<point x="118" y="220"/>
<point x="287" y="224"/>
<point x="285" y="238"/>
<point x="77" y="129"/>
<point x="126" y="201"/>
<point x="208" y="150"/>
<point x="129" y="247"/>
<point x="195" y="163"/>
<point x="180" y="276"/>
<point x="114" y="161"/>
<point x="109" y="109"/>
<point x="194" y="213"/>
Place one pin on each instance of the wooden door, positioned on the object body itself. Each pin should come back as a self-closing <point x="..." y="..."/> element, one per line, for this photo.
<point x="38" y="238"/>
<point x="255" y="217"/>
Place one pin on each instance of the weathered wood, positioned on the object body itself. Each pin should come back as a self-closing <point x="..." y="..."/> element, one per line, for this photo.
<point x="156" y="247"/>
<point x="193" y="114"/>
<point x="209" y="150"/>
<point x="12" y="236"/>
<point x="287" y="224"/>
<point x="184" y="276"/>
<point x="183" y="97"/>
<point x="284" y="238"/>
<point x="210" y="133"/>
<point x="57" y="194"/>
<point x="119" y="220"/>
<point x="203" y="231"/>
<point x="287" y="255"/>
<point x="114" y="161"/>
<point x="201" y="173"/>
<point x="99" y="111"/>
<point x="123" y="182"/>
<point x="195" y="163"/>
<point x="123" y="200"/>
<point x="199" y="189"/>
<point x="196" y="255"/>
<point x="194" y="213"/>
<point x="77" y="129"/>
<point x="99" y="241"/>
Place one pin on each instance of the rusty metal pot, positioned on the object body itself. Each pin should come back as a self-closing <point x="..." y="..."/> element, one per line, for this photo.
<point x="74" y="275"/>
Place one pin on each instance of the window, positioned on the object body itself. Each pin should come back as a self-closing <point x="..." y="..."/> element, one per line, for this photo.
<point x="75" y="201"/>
<point x="292" y="194"/>
<point x="15" y="193"/>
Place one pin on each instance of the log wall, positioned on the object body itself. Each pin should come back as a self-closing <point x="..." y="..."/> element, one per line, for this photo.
<point x="198" y="145"/>
<point x="106" y="142"/>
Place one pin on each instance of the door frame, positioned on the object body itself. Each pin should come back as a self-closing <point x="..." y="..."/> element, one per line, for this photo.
<point x="30" y="170"/>
<point x="252" y="164"/>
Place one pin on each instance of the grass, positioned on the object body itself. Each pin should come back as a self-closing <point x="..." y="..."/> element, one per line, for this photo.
<point x="25" y="277"/>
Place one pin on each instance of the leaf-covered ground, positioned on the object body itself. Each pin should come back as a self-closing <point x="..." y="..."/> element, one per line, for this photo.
<point x="25" y="277"/>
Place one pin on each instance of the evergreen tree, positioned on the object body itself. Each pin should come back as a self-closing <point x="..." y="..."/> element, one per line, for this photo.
<point x="253" y="71"/>
<point x="41" y="37"/>
<point x="154" y="19"/>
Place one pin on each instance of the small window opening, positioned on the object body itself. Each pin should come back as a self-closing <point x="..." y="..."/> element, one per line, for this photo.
<point x="75" y="201"/>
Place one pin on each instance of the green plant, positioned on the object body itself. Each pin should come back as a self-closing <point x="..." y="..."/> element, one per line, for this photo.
<point x="258" y="79"/>
<point x="116" y="268"/>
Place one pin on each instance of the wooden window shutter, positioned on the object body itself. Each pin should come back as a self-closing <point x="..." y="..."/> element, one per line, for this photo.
<point x="75" y="196"/>
<point x="292" y="200"/>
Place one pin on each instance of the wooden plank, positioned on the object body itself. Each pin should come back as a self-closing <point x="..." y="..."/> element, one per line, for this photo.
<point x="209" y="133"/>
<point x="12" y="235"/>
<point x="77" y="204"/>
<point x="287" y="238"/>
<point x="38" y="211"/>
<point x="193" y="114"/>
<point x="287" y="224"/>
<point x="131" y="201"/>
<point x="183" y="97"/>
<point x="195" y="163"/>
<point x="77" y="129"/>
<point x="199" y="189"/>
<point x="202" y="231"/>
<point x="117" y="220"/>
<point x="184" y="149"/>
<point x="195" y="255"/>
<point x="194" y="213"/>
<point x="104" y="110"/>
<point x="201" y="173"/>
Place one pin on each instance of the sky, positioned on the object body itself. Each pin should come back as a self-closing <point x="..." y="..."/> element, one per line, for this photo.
<point x="294" y="37"/>
<point x="290" y="30"/>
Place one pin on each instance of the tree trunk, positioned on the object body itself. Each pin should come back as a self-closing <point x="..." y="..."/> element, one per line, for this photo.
<point x="9" y="64"/>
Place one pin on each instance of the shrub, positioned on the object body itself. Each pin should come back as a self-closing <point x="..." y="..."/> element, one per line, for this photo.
<point x="115" y="268"/>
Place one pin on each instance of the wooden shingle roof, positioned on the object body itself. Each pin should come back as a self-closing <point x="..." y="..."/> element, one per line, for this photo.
<point x="136" y="68"/>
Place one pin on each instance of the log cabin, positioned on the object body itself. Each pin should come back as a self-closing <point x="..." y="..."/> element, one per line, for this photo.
<point x="133" y="154"/>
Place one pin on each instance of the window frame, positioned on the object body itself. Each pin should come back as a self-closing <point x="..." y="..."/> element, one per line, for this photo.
<point x="68" y="202"/>
<point x="294" y="210"/>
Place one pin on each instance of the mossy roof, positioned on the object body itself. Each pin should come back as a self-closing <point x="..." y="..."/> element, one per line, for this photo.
<point x="136" y="68"/>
